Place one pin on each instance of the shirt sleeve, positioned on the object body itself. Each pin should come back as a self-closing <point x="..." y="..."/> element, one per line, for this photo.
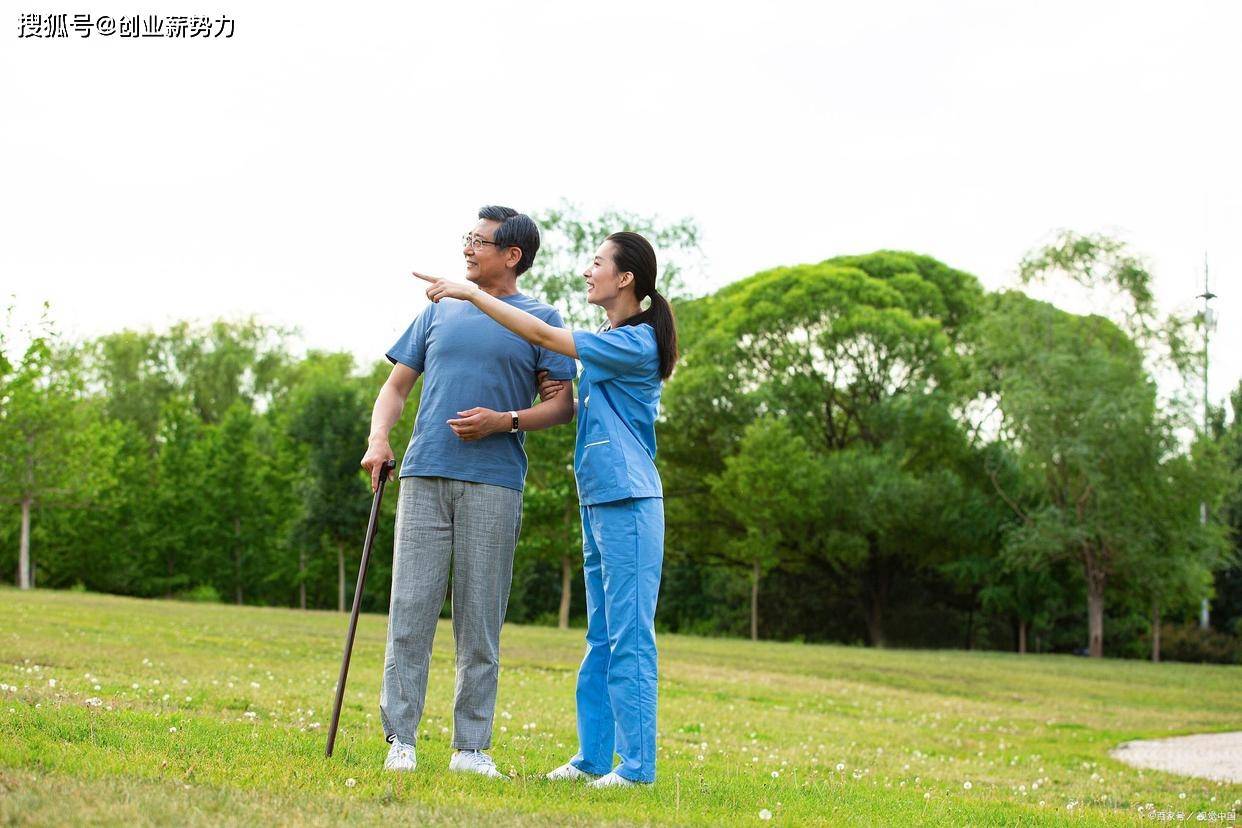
<point x="558" y="366"/>
<point x="411" y="348"/>
<point x="614" y="353"/>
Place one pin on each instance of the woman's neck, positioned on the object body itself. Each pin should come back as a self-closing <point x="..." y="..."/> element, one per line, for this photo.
<point x="621" y="309"/>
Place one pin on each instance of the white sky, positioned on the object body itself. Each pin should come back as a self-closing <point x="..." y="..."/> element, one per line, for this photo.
<point x="300" y="170"/>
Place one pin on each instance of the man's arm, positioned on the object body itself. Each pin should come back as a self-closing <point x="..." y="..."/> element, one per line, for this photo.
<point x="478" y="423"/>
<point x="388" y="407"/>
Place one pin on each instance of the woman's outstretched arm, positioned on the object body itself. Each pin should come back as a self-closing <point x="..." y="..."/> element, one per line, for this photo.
<point x="529" y="327"/>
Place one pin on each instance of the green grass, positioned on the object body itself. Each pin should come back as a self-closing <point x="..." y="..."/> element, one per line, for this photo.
<point x="813" y="734"/>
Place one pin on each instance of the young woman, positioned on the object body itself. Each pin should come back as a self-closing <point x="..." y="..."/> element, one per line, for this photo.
<point x="620" y="495"/>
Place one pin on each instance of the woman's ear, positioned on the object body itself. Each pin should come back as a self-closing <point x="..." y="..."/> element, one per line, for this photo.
<point x="626" y="278"/>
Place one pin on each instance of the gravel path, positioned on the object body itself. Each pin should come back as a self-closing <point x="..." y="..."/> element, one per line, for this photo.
<point x="1215" y="756"/>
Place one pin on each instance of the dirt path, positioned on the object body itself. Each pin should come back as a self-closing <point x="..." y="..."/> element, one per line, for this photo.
<point x="1216" y="756"/>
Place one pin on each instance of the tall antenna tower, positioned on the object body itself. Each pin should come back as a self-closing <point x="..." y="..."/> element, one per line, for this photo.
<point x="1209" y="324"/>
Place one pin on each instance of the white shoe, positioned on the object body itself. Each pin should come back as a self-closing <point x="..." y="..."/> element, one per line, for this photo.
<point x="400" y="757"/>
<point x="568" y="771"/>
<point x="475" y="761"/>
<point x="613" y="780"/>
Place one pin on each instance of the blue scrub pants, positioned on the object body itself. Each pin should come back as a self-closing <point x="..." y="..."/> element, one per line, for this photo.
<point x="623" y="550"/>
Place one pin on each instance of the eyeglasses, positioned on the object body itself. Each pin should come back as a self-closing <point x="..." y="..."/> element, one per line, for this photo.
<point x="475" y="242"/>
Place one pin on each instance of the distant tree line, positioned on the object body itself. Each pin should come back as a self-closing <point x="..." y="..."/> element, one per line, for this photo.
<point x="868" y="449"/>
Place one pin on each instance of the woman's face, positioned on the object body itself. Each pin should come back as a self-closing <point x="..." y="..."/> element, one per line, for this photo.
<point x="604" y="283"/>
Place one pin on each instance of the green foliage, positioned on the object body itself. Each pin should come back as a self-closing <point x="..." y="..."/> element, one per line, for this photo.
<point x="1188" y="642"/>
<point x="57" y="451"/>
<point x="1120" y="280"/>
<point x="813" y="421"/>
<point x="1098" y="478"/>
<point x="201" y="594"/>
<point x="865" y="448"/>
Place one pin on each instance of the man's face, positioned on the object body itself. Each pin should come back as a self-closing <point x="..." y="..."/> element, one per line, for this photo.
<point x="488" y="261"/>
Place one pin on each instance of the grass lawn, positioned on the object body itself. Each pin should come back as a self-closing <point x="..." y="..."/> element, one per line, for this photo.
<point x="123" y="710"/>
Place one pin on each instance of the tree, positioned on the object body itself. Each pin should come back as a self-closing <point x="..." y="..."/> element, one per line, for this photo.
<point x="772" y="507"/>
<point x="49" y="432"/>
<point x="234" y="527"/>
<point x="856" y="356"/>
<point x="1077" y="405"/>
<point x="1227" y="605"/>
<point x="226" y="363"/>
<point x="1118" y="285"/>
<point x="1183" y="550"/>
<point x="329" y="419"/>
<point x="1133" y="438"/>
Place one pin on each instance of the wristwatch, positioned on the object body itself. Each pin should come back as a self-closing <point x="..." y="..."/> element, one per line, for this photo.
<point x="514" y="415"/>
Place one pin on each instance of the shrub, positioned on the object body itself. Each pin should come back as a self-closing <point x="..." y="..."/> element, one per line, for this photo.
<point x="1186" y="642"/>
<point x="203" y="593"/>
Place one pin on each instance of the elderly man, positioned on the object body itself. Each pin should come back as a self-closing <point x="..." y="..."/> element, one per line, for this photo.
<point x="460" y="502"/>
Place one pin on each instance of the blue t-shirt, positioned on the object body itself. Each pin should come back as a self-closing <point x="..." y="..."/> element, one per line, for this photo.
<point x="467" y="359"/>
<point x="618" y="402"/>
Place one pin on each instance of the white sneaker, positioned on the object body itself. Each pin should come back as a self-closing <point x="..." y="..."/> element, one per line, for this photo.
<point x="613" y="780"/>
<point x="568" y="771"/>
<point x="475" y="761"/>
<point x="400" y="757"/>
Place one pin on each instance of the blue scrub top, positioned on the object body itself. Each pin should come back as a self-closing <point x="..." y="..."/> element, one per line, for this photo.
<point x="618" y="402"/>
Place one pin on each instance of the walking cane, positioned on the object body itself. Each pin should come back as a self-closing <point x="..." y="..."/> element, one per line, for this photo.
<point x="353" y="615"/>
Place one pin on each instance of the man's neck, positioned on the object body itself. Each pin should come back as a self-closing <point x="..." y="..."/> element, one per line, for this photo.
<point x="505" y="286"/>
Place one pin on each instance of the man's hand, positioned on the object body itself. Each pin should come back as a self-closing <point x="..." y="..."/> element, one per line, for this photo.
<point x="378" y="453"/>
<point x="477" y="423"/>
<point x="548" y="388"/>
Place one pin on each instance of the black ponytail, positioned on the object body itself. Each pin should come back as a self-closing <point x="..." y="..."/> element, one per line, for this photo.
<point x="633" y="253"/>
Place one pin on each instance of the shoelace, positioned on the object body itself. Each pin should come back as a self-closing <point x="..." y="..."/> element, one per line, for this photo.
<point x="478" y="757"/>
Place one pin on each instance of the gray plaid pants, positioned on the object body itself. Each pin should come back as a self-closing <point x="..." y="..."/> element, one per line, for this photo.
<point x="472" y="527"/>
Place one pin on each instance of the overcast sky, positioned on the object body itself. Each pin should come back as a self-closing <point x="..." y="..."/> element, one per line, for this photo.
<point x="302" y="168"/>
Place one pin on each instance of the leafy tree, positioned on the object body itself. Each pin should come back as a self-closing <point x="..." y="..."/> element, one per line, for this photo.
<point x="1118" y="284"/>
<point x="226" y="363"/>
<point x="770" y="488"/>
<point x="854" y="355"/>
<point x="234" y="525"/>
<point x="1075" y="400"/>
<point x="56" y="450"/>
<point x="329" y="419"/>
<point x="1227" y="609"/>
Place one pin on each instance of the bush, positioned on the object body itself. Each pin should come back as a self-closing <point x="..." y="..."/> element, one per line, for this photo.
<point x="1186" y="642"/>
<point x="203" y="593"/>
